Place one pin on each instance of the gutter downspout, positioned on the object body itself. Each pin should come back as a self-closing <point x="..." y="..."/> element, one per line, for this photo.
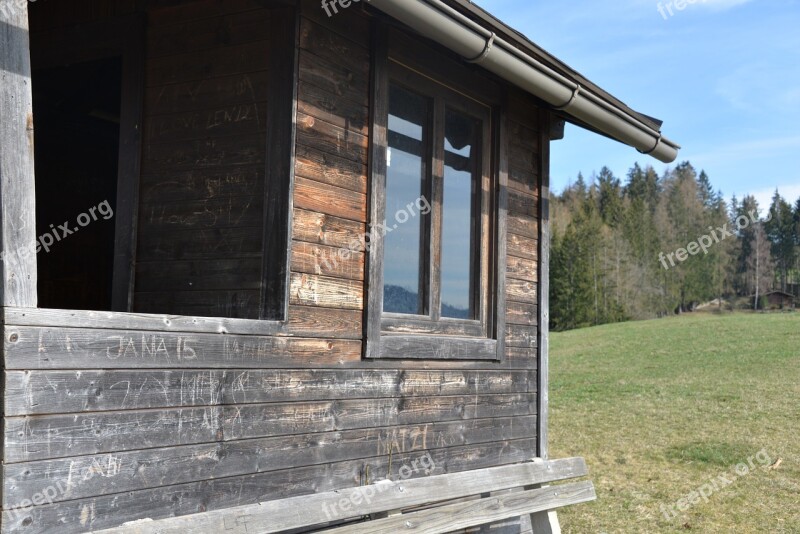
<point x="448" y="27"/>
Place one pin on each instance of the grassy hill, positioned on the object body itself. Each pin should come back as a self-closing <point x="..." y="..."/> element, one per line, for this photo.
<point x="662" y="409"/>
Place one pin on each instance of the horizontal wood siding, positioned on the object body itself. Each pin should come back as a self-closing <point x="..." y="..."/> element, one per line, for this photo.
<point x="522" y="287"/>
<point x="119" y="421"/>
<point x="201" y="211"/>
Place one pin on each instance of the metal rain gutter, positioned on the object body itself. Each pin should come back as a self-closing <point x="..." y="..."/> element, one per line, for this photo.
<point x="476" y="44"/>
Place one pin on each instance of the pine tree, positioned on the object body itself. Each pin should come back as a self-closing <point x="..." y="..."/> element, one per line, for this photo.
<point x="780" y="229"/>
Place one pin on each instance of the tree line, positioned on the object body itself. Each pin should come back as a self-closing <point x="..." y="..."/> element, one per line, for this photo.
<point x="658" y="245"/>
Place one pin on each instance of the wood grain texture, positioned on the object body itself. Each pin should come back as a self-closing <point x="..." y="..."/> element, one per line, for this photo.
<point x="544" y="297"/>
<point x="326" y="292"/>
<point x="136" y="470"/>
<point x="43" y="437"/>
<point x="17" y="218"/>
<point x="473" y="513"/>
<point x="53" y="348"/>
<point x="94" y="391"/>
<point x="109" y="511"/>
<point x="387" y="495"/>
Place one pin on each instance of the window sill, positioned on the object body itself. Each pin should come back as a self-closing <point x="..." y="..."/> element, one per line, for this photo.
<point x="408" y="347"/>
<point x="138" y="321"/>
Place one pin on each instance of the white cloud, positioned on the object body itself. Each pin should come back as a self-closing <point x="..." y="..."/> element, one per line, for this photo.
<point x="790" y="193"/>
<point x="748" y="150"/>
<point x="722" y="4"/>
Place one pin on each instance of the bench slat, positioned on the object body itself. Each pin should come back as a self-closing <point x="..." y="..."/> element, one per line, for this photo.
<point x="453" y="517"/>
<point x="321" y="508"/>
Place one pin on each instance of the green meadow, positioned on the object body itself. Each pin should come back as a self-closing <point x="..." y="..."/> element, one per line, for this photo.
<point x="668" y="409"/>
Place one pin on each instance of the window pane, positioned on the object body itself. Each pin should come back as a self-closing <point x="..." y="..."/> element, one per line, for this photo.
<point x="403" y="272"/>
<point x="459" y="246"/>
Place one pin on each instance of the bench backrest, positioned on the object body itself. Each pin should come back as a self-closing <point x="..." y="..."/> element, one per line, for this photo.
<point x="384" y="496"/>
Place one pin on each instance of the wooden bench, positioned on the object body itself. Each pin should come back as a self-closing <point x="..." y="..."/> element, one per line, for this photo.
<point x="432" y="504"/>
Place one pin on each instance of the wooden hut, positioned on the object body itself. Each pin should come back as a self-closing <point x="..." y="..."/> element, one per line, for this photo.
<point x="267" y="248"/>
<point x="780" y="300"/>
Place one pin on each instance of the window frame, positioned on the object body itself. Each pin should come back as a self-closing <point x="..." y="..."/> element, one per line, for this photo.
<point x="126" y="38"/>
<point x="443" y="99"/>
<point x="406" y="336"/>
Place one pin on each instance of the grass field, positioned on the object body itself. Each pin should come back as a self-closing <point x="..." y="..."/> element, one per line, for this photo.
<point x="662" y="409"/>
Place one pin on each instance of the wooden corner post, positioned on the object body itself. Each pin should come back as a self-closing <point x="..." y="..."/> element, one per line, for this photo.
<point x="544" y="522"/>
<point x="17" y="193"/>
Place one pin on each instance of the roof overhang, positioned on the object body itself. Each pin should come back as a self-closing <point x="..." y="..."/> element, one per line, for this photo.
<point x="480" y="38"/>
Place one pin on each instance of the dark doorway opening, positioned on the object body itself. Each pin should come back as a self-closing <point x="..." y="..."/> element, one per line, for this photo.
<point x="77" y="135"/>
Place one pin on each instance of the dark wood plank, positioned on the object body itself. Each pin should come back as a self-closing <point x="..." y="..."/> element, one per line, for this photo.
<point x="523" y="204"/>
<point x="329" y="199"/>
<point x="523" y="225"/>
<point x="281" y="133"/>
<point x="48" y="348"/>
<point x="521" y="290"/>
<point x="201" y="243"/>
<point x="523" y="336"/>
<point x="326" y="292"/>
<point x="323" y="229"/>
<point x="330" y="169"/>
<point x="212" y="213"/>
<point x="329" y="138"/>
<point x="523" y="247"/>
<point x="334" y="107"/>
<point x="280" y="515"/>
<point x="426" y="347"/>
<point x="233" y="304"/>
<point x="327" y="261"/>
<point x="222" y="120"/>
<point x="308" y="321"/>
<point x="45" y="437"/>
<point x="330" y="80"/>
<point x="522" y="313"/>
<point x="199" y="275"/>
<point x="331" y="46"/>
<point x="169" y="12"/>
<point x="221" y="61"/>
<point x="143" y="469"/>
<point x="207" y="93"/>
<point x="227" y="151"/>
<point x="131" y="31"/>
<point x="202" y="184"/>
<point x="176" y="500"/>
<point x="522" y="268"/>
<point x="207" y="33"/>
<point x="91" y="391"/>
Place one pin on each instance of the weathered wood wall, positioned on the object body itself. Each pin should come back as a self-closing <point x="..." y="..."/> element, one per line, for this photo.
<point x="200" y="237"/>
<point x="113" y="424"/>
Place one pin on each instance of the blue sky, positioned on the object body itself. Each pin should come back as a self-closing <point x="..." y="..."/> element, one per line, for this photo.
<point x="723" y="75"/>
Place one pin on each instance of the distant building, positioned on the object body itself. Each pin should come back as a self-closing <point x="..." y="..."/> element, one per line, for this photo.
<point x="780" y="300"/>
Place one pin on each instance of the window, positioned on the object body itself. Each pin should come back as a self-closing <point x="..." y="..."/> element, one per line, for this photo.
<point x="433" y="289"/>
<point x="173" y="201"/>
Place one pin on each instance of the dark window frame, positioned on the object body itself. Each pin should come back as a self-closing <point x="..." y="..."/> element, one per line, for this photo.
<point x="125" y="37"/>
<point x="401" y="336"/>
